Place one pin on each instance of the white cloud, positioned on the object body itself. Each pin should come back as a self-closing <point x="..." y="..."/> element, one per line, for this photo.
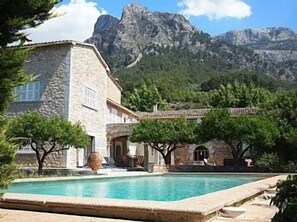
<point x="215" y="9"/>
<point x="76" y="22"/>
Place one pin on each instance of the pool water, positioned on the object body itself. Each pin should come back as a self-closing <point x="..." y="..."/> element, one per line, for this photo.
<point x="158" y="188"/>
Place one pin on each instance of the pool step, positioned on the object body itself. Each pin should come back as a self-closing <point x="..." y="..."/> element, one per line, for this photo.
<point x="111" y="170"/>
<point x="270" y="191"/>
<point x="232" y="212"/>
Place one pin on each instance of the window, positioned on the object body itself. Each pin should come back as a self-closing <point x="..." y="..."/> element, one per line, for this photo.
<point x="26" y="148"/>
<point x="28" y="92"/>
<point x="90" y="98"/>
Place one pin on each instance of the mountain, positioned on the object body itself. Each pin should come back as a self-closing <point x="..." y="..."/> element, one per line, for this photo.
<point x="277" y="46"/>
<point x="166" y="50"/>
<point x="138" y="32"/>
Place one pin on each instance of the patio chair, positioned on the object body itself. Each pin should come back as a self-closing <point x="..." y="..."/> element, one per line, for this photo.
<point x="109" y="162"/>
<point x="139" y="161"/>
<point x="208" y="163"/>
<point x="137" y="164"/>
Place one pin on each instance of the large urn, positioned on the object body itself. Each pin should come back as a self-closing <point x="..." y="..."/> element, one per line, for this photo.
<point x="95" y="161"/>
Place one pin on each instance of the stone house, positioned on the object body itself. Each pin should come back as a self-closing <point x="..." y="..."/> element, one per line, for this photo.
<point x="73" y="80"/>
<point x="193" y="154"/>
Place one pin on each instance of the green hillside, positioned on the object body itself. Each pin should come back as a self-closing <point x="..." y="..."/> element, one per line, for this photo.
<point x="181" y="77"/>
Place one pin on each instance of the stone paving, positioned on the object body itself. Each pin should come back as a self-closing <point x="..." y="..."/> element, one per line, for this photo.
<point x="257" y="210"/>
<point x="31" y="216"/>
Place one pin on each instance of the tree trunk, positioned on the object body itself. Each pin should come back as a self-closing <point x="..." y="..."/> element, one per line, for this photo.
<point x="168" y="159"/>
<point x="236" y="163"/>
<point x="40" y="167"/>
<point x="40" y="163"/>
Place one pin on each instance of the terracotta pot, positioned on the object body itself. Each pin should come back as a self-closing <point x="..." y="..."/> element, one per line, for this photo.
<point x="95" y="161"/>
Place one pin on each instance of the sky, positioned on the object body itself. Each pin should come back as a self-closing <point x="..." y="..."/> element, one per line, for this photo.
<point x="76" y="18"/>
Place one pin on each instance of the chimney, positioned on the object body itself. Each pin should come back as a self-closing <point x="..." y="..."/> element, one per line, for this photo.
<point x="155" y="108"/>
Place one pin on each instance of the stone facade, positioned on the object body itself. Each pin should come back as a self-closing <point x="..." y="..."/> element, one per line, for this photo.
<point x="217" y="151"/>
<point x="65" y="69"/>
<point x="113" y="90"/>
<point x="88" y="71"/>
<point x="29" y="160"/>
<point x="48" y="65"/>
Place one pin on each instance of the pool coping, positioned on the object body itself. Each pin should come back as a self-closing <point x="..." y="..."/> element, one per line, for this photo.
<point x="87" y="177"/>
<point x="201" y="208"/>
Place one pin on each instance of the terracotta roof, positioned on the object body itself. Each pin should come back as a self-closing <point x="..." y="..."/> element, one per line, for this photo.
<point x="193" y="113"/>
<point x="124" y="109"/>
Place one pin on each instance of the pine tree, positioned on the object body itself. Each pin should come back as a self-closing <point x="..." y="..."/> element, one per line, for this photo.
<point x="15" y="17"/>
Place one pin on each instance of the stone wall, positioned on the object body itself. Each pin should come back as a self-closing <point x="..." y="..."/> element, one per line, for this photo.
<point x="48" y="64"/>
<point x="113" y="92"/>
<point x="218" y="151"/>
<point x="29" y="160"/>
<point x="87" y="71"/>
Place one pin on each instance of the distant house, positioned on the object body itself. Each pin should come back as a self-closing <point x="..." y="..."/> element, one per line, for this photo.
<point x="194" y="154"/>
<point x="73" y="80"/>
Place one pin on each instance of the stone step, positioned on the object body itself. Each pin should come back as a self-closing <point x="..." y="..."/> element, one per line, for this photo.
<point x="232" y="212"/>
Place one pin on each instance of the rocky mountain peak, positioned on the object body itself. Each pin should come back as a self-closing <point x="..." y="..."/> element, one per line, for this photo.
<point x="134" y="9"/>
<point x="254" y="36"/>
<point x="105" y="22"/>
<point x="139" y="32"/>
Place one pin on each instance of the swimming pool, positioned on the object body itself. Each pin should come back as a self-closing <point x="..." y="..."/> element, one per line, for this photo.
<point x="158" y="188"/>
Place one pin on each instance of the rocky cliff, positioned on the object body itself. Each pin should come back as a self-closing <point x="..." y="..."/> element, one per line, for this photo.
<point x="139" y="32"/>
<point x="277" y="47"/>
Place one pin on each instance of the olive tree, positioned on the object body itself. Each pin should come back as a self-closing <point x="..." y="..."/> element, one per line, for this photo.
<point x="254" y="131"/>
<point x="47" y="135"/>
<point x="165" y="136"/>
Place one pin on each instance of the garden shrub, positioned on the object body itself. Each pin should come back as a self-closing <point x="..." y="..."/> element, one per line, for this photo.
<point x="286" y="200"/>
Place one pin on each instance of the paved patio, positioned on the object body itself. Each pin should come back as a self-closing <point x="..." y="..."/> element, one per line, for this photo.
<point x="257" y="210"/>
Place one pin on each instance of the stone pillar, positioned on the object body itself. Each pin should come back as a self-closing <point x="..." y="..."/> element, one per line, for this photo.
<point x="108" y="147"/>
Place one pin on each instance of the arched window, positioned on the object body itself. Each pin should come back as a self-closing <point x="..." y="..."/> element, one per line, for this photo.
<point x="200" y="153"/>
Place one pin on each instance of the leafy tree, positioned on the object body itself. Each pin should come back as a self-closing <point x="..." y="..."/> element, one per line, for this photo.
<point x="283" y="110"/>
<point x="144" y="98"/>
<point x="165" y="136"/>
<point x="47" y="135"/>
<point x="286" y="200"/>
<point x="254" y="131"/>
<point x="238" y="95"/>
<point x="248" y="78"/>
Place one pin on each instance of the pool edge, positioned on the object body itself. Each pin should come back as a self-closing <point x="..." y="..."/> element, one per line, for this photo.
<point x="200" y="208"/>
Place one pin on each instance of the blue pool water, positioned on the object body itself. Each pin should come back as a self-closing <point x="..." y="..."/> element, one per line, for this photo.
<point x="159" y="188"/>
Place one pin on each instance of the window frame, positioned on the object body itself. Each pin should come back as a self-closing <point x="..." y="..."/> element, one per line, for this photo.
<point x="90" y="100"/>
<point x="28" y="149"/>
<point x="25" y="93"/>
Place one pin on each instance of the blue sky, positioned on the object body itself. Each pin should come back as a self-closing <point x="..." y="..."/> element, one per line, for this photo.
<point x="77" y="17"/>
